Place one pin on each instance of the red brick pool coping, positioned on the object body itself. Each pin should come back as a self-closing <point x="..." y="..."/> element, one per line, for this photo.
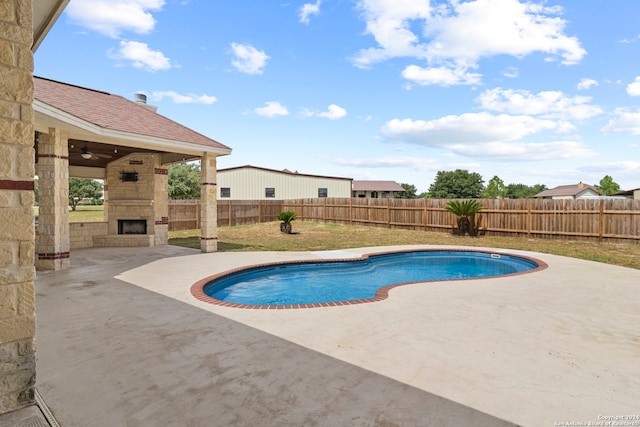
<point x="197" y="289"/>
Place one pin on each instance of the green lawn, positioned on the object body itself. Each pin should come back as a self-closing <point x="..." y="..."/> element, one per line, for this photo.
<point x="311" y="236"/>
<point x="83" y="213"/>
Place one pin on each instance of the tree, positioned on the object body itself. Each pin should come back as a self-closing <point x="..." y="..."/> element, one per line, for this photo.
<point x="81" y="188"/>
<point x="495" y="189"/>
<point x="409" y="192"/>
<point x="184" y="181"/>
<point x="608" y="186"/>
<point x="523" y="191"/>
<point x="458" y="184"/>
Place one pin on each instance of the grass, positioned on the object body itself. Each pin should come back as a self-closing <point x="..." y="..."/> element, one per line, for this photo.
<point x="88" y="213"/>
<point x="83" y="213"/>
<point x="311" y="236"/>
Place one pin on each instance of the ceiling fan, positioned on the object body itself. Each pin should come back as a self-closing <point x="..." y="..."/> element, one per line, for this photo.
<point x="88" y="155"/>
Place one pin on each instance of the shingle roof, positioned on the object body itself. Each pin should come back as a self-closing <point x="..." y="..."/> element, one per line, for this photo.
<point x="115" y="112"/>
<point x="376" y="186"/>
<point x="567" y="190"/>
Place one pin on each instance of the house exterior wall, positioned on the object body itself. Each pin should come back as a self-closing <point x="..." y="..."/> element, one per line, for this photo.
<point x="250" y="184"/>
<point x="17" y="228"/>
<point x="583" y="195"/>
<point x="374" y="194"/>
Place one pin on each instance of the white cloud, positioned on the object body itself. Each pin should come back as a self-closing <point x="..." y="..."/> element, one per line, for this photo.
<point x="389" y="21"/>
<point x="457" y="35"/>
<point x="487" y="136"/>
<point x="248" y="59"/>
<point x="547" y="104"/>
<point x="272" y="109"/>
<point x="389" y="162"/>
<point x="521" y="151"/>
<point x="334" y="112"/>
<point x="141" y="56"/>
<point x="309" y="9"/>
<point x="624" y="122"/>
<point x="633" y="89"/>
<point x="442" y="76"/>
<point x="482" y="28"/>
<point x="629" y="168"/>
<point x="183" y="99"/>
<point x="585" y="84"/>
<point x="511" y="72"/>
<point x="476" y="127"/>
<point x="111" y="17"/>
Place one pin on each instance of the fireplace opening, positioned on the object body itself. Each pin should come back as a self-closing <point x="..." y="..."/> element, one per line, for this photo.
<point x="132" y="226"/>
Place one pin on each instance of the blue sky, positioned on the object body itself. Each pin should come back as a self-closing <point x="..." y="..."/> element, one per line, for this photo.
<point x="534" y="92"/>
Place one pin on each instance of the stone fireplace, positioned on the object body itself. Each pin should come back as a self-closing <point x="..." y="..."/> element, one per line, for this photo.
<point x="136" y="210"/>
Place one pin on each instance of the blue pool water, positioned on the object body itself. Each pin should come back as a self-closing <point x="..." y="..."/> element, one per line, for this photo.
<point x="333" y="281"/>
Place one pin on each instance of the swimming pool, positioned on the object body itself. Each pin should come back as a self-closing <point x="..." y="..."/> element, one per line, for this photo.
<point x="315" y="283"/>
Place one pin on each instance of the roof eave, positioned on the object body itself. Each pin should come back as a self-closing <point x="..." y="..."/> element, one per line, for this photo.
<point x="49" y="116"/>
<point x="45" y="14"/>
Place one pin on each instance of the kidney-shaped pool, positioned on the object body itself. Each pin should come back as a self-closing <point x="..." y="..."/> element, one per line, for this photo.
<point x="302" y="284"/>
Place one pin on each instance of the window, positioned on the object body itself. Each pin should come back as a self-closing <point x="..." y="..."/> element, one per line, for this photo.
<point x="270" y="192"/>
<point x="225" y="192"/>
<point x="322" y="192"/>
<point x="374" y="194"/>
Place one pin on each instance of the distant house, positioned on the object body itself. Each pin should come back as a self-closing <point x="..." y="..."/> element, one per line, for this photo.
<point x="576" y="191"/>
<point x="376" y="189"/>
<point x="630" y="194"/>
<point x="256" y="183"/>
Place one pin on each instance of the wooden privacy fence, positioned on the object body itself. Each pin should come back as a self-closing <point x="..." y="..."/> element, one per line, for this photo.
<point x="615" y="220"/>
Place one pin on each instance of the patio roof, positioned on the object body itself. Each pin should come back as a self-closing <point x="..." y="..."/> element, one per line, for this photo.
<point x="112" y="126"/>
<point x="45" y="13"/>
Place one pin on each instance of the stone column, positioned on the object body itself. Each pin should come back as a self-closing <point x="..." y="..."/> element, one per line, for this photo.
<point x="52" y="242"/>
<point x="161" y="202"/>
<point x="17" y="273"/>
<point x="208" y="204"/>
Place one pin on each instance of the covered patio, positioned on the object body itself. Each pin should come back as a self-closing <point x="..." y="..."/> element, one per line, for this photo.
<point x="88" y="133"/>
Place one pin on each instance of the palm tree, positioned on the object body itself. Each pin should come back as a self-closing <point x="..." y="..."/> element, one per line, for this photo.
<point x="466" y="211"/>
<point x="286" y="217"/>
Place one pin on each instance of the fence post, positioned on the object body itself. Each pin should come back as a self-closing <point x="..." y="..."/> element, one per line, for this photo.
<point x="229" y="213"/>
<point x="529" y="219"/>
<point x="388" y="213"/>
<point x="426" y="213"/>
<point x="324" y="211"/>
<point x="602" y="225"/>
<point x="259" y="211"/>
<point x="350" y="210"/>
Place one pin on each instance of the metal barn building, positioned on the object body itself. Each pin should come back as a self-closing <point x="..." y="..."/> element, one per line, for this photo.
<point x="256" y="183"/>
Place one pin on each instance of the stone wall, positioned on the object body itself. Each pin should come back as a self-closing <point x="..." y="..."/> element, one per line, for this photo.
<point x="81" y="234"/>
<point x="17" y="233"/>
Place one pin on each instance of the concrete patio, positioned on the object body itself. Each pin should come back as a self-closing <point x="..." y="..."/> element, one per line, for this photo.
<point x="122" y="342"/>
